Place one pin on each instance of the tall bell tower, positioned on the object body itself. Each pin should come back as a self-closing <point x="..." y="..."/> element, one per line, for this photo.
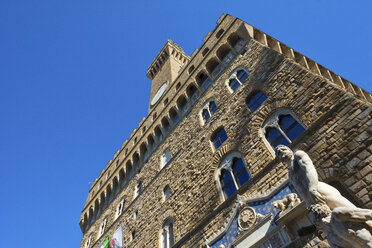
<point x="164" y="70"/>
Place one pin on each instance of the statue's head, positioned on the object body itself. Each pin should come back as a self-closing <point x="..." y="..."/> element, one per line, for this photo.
<point x="283" y="153"/>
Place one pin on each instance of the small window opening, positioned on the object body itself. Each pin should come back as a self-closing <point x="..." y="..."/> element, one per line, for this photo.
<point x="219" y="33"/>
<point x="191" y="68"/>
<point x="218" y="138"/>
<point x="205" y="51"/>
<point x="166" y="192"/>
<point x="255" y="101"/>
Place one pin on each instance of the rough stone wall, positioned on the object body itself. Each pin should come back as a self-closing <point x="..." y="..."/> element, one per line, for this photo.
<point x="338" y="139"/>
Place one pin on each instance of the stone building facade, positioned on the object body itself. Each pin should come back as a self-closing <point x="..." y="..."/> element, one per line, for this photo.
<point x="200" y="169"/>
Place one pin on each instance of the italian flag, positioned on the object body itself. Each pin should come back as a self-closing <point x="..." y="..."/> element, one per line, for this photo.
<point x="114" y="241"/>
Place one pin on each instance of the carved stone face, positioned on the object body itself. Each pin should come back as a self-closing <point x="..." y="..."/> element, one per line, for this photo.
<point x="283" y="153"/>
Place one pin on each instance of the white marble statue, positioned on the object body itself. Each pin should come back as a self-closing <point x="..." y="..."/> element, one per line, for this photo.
<point x="344" y="224"/>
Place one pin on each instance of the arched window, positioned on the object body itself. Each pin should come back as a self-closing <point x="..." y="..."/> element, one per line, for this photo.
<point x="138" y="189"/>
<point x="233" y="174"/>
<point x="208" y="110"/>
<point x="166" y="192"/>
<point x="165" y="158"/>
<point x="120" y="207"/>
<point x="255" y="101"/>
<point x="240" y="171"/>
<point x="218" y="138"/>
<point x="103" y="227"/>
<point x="87" y="244"/>
<point x="166" y="236"/>
<point x="282" y="129"/>
<point x="227" y="182"/>
<point x="237" y="78"/>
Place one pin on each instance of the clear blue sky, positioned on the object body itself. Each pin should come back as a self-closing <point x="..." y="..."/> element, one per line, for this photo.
<point x="73" y="86"/>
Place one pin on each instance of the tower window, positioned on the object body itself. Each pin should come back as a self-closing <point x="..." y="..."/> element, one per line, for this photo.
<point x="218" y="138"/>
<point x="237" y="78"/>
<point x="219" y="33"/>
<point x="205" y="51"/>
<point x="282" y="129"/>
<point x="255" y="101"/>
<point x="191" y="68"/>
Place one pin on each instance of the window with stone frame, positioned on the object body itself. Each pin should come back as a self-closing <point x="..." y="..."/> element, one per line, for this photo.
<point x="89" y="240"/>
<point x="254" y="101"/>
<point x="237" y="78"/>
<point x="103" y="227"/>
<point x="282" y="128"/>
<point x="165" y="158"/>
<point x="138" y="189"/>
<point x="208" y="110"/>
<point x="166" y="235"/>
<point x="233" y="173"/>
<point x="120" y="207"/>
<point x="218" y="138"/>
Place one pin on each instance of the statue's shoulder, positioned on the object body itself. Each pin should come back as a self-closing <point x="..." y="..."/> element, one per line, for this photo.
<point x="300" y="153"/>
